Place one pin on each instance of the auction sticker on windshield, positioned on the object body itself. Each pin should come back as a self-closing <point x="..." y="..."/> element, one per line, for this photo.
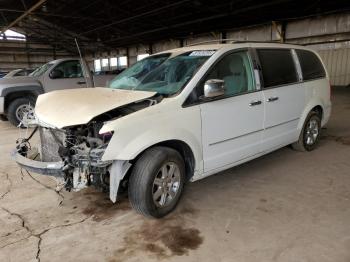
<point x="202" y="53"/>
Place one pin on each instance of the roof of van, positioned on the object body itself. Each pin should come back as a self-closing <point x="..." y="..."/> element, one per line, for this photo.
<point x="64" y="59"/>
<point x="190" y="48"/>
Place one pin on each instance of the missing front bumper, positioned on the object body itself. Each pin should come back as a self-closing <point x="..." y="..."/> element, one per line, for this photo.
<point x="117" y="170"/>
<point x="80" y="166"/>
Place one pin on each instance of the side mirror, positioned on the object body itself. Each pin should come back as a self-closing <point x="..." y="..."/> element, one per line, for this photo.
<point x="214" y="88"/>
<point x="56" y="73"/>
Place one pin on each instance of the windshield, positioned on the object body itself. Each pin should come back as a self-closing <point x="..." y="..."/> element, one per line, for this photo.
<point x="12" y="73"/>
<point x="41" y="70"/>
<point x="132" y="76"/>
<point x="172" y="75"/>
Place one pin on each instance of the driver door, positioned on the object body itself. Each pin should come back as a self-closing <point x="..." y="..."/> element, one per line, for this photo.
<point x="68" y="75"/>
<point x="232" y="124"/>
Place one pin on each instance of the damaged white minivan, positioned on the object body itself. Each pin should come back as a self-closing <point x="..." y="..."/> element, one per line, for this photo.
<point x="179" y="116"/>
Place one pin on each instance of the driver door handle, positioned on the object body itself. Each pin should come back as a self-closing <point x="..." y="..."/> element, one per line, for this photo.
<point x="255" y="103"/>
<point x="81" y="82"/>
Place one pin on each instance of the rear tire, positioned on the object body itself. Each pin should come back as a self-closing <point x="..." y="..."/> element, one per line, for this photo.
<point x="157" y="181"/>
<point x="13" y="110"/>
<point x="310" y="133"/>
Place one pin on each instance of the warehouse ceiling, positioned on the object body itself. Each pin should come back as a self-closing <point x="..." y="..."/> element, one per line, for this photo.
<point x="105" y="24"/>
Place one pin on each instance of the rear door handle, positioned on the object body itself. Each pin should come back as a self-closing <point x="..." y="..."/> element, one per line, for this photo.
<point x="271" y="99"/>
<point x="81" y="82"/>
<point x="255" y="103"/>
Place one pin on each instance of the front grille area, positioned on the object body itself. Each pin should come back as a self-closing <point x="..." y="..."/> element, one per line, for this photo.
<point x="50" y="140"/>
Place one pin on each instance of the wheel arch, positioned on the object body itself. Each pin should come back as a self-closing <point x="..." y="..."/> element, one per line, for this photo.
<point x="318" y="109"/>
<point x="185" y="151"/>
<point x="10" y="94"/>
<point x="180" y="146"/>
<point x="314" y="106"/>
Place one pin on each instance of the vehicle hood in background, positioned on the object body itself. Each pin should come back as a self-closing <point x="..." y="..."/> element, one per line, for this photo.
<point x="78" y="106"/>
<point x="18" y="81"/>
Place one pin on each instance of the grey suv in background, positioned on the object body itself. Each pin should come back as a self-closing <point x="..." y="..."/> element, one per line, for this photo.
<point x="18" y="94"/>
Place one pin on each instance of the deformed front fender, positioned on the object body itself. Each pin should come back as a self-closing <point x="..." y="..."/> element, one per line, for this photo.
<point x="130" y="149"/>
<point x="136" y="132"/>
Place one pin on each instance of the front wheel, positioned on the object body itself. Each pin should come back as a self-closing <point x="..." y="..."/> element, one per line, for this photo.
<point x="157" y="181"/>
<point x="20" y="111"/>
<point x="310" y="133"/>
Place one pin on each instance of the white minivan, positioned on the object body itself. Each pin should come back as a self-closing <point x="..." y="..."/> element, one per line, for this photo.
<point x="178" y="116"/>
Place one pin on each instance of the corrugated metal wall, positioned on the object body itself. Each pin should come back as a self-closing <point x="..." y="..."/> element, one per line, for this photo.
<point x="19" y="54"/>
<point x="338" y="65"/>
<point x="328" y="34"/>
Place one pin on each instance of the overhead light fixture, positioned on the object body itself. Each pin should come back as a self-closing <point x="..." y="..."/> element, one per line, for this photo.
<point x="44" y="8"/>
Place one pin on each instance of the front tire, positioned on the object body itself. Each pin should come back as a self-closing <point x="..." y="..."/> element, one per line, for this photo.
<point x="157" y="181"/>
<point x="310" y="133"/>
<point x="20" y="107"/>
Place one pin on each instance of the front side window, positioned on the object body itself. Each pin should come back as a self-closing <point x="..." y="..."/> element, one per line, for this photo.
<point x="277" y="66"/>
<point x="169" y="77"/>
<point x="69" y="69"/>
<point x="311" y="66"/>
<point x="235" y="70"/>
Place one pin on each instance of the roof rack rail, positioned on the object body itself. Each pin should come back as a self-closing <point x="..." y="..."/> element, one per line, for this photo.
<point x="234" y="41"/>
<point x="211" y="41"/>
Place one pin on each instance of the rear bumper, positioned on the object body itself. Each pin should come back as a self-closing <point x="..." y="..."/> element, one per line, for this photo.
<point x="43" y="168"/>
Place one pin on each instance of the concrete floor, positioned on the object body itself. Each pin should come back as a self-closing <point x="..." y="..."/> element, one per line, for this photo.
<point x="286" y="206"/>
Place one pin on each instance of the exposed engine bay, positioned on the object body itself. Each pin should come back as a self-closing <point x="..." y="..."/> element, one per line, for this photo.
<point x="74" y="154"/>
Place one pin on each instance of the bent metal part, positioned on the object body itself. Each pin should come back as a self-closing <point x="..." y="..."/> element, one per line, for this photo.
<point x="74" y="154"/>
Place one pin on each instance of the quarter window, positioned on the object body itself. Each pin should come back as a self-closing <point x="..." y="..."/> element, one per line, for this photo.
<point x="277" y="66"/>
<point x="311" y="66"/>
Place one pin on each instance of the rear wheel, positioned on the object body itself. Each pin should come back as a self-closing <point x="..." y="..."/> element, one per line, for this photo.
<point x="21" y="110"/>
<point x="310" y="133"/>
<point x="157" y="181"/>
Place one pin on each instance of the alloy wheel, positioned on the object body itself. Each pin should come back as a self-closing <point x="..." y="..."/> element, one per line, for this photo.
<point x="24" y="113"/>
<point x="166" y="184"/>
<point x="312" y="132"/>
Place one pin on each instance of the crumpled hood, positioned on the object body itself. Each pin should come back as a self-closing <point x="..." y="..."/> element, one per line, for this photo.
<point x="78" y="106"/>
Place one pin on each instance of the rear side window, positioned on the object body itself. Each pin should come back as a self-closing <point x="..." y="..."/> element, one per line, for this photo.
<point x="277" y="66"/>
<point x="311" y="66"/>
